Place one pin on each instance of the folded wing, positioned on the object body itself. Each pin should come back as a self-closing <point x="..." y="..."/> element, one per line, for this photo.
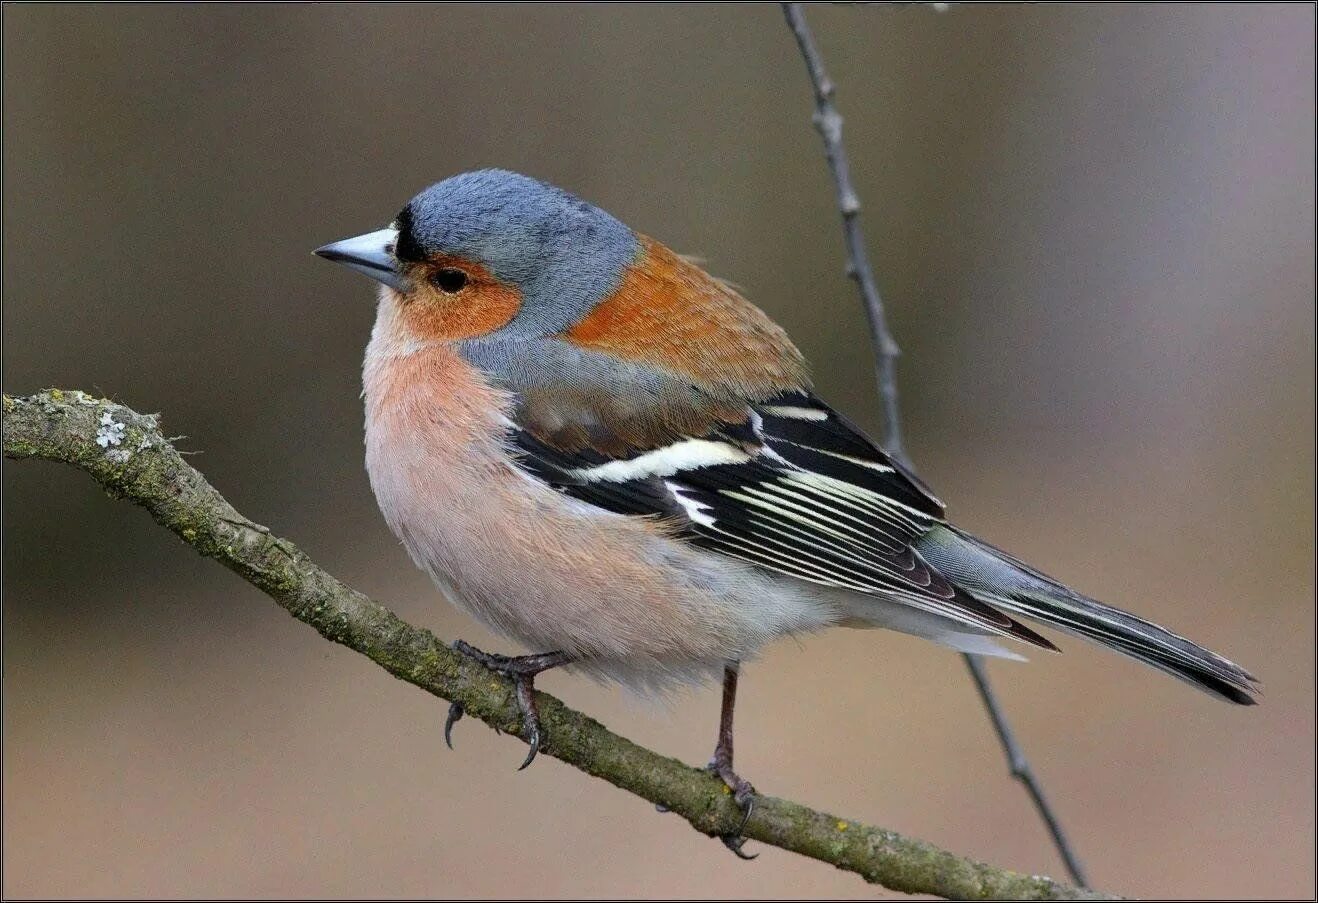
<point x="791" y="487"/>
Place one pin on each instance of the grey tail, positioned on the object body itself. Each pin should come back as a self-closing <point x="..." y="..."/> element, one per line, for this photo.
<point x="994" y="577"/>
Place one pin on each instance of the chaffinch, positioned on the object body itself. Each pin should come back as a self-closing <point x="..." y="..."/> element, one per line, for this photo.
<point x="601" y="451"/>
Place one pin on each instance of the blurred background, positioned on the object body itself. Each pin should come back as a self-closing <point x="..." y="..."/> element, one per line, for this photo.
<point x="1094" y="228"/>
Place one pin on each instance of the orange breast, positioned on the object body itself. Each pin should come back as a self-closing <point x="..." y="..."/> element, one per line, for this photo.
<point x="667" y="312"/>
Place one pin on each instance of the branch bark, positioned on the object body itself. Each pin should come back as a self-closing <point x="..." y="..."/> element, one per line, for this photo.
<point x="130" y="457"/>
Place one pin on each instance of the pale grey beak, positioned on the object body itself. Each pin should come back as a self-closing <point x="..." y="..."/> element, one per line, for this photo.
<point x="371" y="254"/>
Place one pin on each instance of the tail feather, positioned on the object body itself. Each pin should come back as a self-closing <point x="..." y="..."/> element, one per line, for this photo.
<point x="995" y="577"/>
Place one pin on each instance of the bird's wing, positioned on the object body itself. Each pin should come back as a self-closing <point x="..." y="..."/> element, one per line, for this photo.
<point x="787" y="485"/>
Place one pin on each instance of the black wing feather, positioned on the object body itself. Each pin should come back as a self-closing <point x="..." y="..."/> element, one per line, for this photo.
<point x="796" y="489"/>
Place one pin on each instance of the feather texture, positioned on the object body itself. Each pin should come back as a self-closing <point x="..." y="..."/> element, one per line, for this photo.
<point x="997" y="577"/>
<point x="677" y="497"/>
<point x="792" y="489"/>
<point x="796" y="490"/>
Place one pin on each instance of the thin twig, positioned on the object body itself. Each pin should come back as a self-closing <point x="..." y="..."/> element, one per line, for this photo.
<point x="1021" y="770"/>
<point x="829" y="123"/>
<point x="137" y="463"/>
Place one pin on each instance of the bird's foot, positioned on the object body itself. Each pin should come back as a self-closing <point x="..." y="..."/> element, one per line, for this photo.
<point x="743" y="794"/>
<point x="521" y="669"/>
<point x="455" y="713"/>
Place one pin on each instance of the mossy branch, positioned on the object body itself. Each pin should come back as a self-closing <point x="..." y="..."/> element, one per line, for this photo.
<point x="130" y="457"/>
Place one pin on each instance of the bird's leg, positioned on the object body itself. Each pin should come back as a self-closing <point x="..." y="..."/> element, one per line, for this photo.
<point x="522" y="669"/>
<point x="742" y="791"/>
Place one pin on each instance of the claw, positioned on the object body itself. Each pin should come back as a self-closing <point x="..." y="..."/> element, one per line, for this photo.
<point x="522" y="670"/>
<point x="455" y="713"/>
<point x="735" y="844"/>
<point x="467" y="649"/>
<point x="530" y="719"/>
<point x="743" y="794"/>
<point x="534" y="743"/>
<point x="747" y="804"/>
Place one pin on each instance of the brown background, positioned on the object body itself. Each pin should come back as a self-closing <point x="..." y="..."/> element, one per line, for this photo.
<point x="1095" y="230"/>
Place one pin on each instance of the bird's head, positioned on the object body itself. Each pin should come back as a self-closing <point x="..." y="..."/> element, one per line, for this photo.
<point x="490" y="252"/>
<point x="561" y="304"/>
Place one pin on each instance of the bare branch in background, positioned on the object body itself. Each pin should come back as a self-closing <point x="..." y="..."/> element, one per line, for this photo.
<point x="130" y="457"/>
<point x="829" y="123"/>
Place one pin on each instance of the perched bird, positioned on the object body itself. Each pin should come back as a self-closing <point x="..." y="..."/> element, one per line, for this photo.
<point x="617" y="461"/>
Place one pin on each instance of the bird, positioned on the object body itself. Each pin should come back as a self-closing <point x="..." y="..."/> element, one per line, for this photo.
<point x="615" y="460"/>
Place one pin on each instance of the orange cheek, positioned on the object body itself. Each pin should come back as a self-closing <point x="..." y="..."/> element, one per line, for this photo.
<point x="481" y="308"/>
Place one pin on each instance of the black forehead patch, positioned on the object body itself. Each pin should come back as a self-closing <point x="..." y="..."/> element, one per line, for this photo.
<point x="407" y="248"/>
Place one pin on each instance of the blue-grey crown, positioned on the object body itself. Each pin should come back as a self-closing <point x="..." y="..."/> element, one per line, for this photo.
<point x="564" y="254"/>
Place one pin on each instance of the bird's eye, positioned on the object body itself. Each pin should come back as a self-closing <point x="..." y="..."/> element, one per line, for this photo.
<point x="449" y="280"/>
